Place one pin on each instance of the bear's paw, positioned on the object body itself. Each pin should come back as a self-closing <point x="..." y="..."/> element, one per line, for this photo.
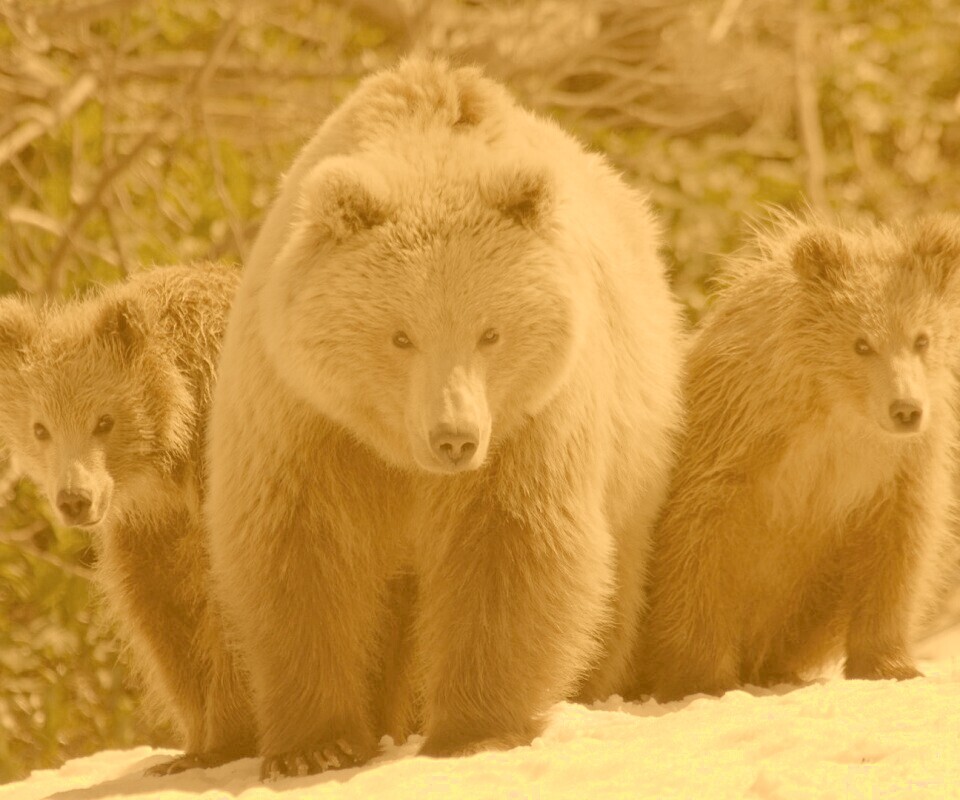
<point x="336" y="754"/>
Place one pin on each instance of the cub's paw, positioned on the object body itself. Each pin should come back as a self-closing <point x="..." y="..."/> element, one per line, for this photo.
<point x="450" y="746"/>
<point x="769" y="678"/>
<point x="338" y="754"/>
<point x="669" y="692"/>
<point x="199" y="760"/>
<point x="898" y="669"/>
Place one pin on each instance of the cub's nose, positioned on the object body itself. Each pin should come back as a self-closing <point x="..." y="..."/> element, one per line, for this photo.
<point x="454" y="446"/>
<point x="906" y="415"/>
<point x="74" y="505"/>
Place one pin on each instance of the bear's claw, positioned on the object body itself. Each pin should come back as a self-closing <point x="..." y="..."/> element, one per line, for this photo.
<point x="198" y="760"/>
<point x="899" y="669"/>
<point x="297" y="763"/>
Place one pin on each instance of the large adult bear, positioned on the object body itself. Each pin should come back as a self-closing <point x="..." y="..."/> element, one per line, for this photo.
<point x="454" y="353"/>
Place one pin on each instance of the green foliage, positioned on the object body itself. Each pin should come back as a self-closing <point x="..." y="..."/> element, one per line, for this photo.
<point x="706" y="189"/>
<point x="63" y="692"/>
<point x="164" y="163"/>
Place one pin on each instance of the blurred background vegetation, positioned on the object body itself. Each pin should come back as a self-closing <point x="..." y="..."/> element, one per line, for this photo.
<point x="138" y="133"/>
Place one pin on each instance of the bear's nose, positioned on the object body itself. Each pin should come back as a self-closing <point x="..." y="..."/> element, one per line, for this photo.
<point x="906" y="414"/>
<point x="454" y="445"/>
<point x="74" y="505"/>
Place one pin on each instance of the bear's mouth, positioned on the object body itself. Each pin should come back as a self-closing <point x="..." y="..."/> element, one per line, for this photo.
<point x="439" y="468"/>
<point x="86" y="522"/>
<point x="84" y="525"/>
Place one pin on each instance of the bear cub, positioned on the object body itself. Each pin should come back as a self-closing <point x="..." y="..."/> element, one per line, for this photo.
<point x="104" y="405"/>
<point x="814" y="487"/>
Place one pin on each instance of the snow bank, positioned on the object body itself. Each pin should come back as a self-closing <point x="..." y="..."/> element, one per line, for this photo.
<point x="830" y="739"/>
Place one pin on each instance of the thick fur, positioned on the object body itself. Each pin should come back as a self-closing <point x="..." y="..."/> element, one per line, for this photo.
<point x="440" y="259"/>
<point x="143" y="355"/>
<point x="801" y="524"/>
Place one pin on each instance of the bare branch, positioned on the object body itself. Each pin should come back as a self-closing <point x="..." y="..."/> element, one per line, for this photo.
<point x="233" y="218"/>
<point x="85" y="12"/>
<point x="115" y="240"/>
<point x="808" y="113"/>
<point x="399" y="18"/>
<point x="194" y="86"/>
<point x="721" y="25"/>
<point x="67" y="105"/>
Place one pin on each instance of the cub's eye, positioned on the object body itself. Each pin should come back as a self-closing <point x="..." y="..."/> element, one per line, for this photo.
<point x="490" y="336"/>
<point x="104" y="424"/>
<point x="401" y="340"/>
<point x="40" y="432"/>
<point x="862" y="347"/>
<point x="922" y="341"/>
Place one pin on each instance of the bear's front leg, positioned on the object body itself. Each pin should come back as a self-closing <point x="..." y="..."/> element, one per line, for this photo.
<point x="312" y="640"/>
<point x="514" y="593"/>
<point x="883" y="571"/>
<point x="154" y="592"/>
<point x="309" y="627"/>
<point x="693" y="626"/>
<point x="228" y="725"/>
<point x="298" y="559"/>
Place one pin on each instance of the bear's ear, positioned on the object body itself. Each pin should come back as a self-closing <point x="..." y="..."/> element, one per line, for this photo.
<point x="122" y="325"/>
<point x="820" y="255"/>
<point x="934" y="244"/>
<point x="473" y="97"/>
<point x="340" y="198"/>
<point x="471" y="106"/>
<point x="18" y="326"/>
<point x="523" y="194"/>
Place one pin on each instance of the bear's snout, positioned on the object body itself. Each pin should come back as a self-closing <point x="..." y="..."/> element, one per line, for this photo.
<point x="74" y="505"/>
<point x="455" y="447"/>
<point x="448" y="419"/>
<point x="907" y="415"/>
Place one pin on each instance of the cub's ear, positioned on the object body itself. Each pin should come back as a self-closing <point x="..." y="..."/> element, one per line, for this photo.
<point x="821" y="255"/>
<point x="934" y="243"/>
<point x="123" y="325"/>
<point x="523" y="193"/>
<point x="341" y="198"/>
<point x="18" y="326"/>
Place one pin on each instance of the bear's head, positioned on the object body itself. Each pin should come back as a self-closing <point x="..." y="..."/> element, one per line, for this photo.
<point x="429" y="312"/>
<point x="91" y="408"/>
<point x="882" y="309"/>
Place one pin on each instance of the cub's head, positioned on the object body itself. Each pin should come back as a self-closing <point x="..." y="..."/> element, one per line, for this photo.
<point x="90" y="408"/>
<point x="883" y="314"/>
<point x="429" y="314"/>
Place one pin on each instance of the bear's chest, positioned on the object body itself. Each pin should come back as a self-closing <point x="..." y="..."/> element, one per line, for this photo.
<point x="828" y="471"/>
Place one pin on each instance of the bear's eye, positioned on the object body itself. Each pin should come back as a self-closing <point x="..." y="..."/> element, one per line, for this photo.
<point x="863" y="348"/>
<point x="490" y="336"/>
<point x="922" y="342"/>
<point x="104" y="424"/>
<point x="401" y="340"/>
<point x="40" y="432"/>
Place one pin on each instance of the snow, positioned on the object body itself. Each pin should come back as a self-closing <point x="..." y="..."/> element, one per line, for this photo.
<point x="829" y="739"/>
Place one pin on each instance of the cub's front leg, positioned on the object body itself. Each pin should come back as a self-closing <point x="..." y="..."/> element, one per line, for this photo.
<point x="885" y="563"/>
<point x="152" y="577"/>
<point x="515" y="588"/>
<point x="162" y="563"/>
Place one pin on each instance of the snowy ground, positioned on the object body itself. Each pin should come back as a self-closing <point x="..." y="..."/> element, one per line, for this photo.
<point x="831" y="739"/>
